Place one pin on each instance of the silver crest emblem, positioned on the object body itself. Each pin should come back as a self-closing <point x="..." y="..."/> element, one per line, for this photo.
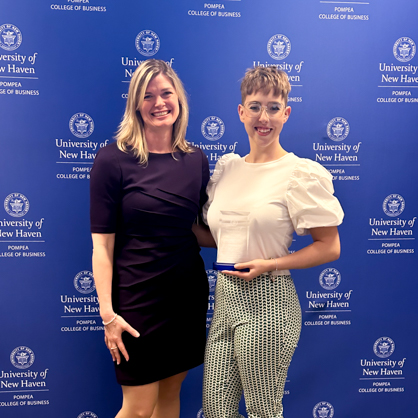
<point x="213" y="128"/>
<point x="330" y="278"/>
<point x="87" y="414"/>
<point x="10" y="37"/>
<point x="16" y="205"/>
<point x="84" y="282"/>
<point x="278" y="47"/>
<point x="384" y="347"/>
<point x="404" y="49"/>
<point x="212" y="278"/>
<point x="22" y="357"/>
<point x="338" y="129"/>
<point x="393" y="205"/>
<point x="147" y="43"/>
<point x="81" y="125"/>
<point x="323" y="410"/>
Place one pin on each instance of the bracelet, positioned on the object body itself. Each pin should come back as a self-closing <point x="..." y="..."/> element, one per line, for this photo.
<point x="275" y="262"/>
<point x="108" y="323"/>
<point x="277" y="267"/>
<point x="270" y="273"/>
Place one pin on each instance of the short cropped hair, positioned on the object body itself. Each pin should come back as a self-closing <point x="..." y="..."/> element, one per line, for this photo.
<point x="265" y="79"/>
<point x="131" y="134"/>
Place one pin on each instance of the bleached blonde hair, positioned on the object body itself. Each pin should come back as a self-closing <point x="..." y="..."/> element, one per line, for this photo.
<point x="131" y="132"/>
<point x="265" y="79"/>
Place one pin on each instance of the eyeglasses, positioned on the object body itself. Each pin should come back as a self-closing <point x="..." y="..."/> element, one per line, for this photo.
<point x="254" y="109"/>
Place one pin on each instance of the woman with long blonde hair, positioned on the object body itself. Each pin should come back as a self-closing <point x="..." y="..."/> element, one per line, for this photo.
<point x="147" y="189"/>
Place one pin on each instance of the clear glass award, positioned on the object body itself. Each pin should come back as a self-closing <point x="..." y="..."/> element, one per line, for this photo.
<point x="232" y="239"/>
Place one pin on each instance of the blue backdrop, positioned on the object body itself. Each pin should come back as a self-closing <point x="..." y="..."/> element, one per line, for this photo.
<point x="65" y="66"/>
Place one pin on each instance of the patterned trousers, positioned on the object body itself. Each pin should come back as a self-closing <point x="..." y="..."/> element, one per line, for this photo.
<point x="252" y="338"/>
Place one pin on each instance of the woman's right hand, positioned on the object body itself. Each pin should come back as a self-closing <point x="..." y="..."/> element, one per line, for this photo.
<point x="113" y="338"/>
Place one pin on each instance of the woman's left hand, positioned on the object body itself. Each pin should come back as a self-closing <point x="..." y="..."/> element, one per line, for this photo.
<point x="256" y="267"/>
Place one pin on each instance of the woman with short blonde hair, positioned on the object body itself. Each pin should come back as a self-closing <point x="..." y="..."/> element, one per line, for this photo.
<point x="256" y="203"/>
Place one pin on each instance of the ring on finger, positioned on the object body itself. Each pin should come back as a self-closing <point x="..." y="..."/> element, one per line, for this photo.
<point x="113" y="348"/>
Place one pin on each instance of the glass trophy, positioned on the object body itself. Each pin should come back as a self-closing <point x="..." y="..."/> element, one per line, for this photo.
<point x="232" y="239"/>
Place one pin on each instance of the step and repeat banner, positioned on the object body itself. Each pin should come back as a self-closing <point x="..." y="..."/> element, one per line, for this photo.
<point x="65" y="67"/>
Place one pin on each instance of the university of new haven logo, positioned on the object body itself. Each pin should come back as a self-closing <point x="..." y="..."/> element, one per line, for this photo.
<point x="384" y="347"/>
<point x="338" y="129"/>
<point x="81" y="125"/>
<point x="84" y="282"/>
<point x="213" y="128"/>
<point x="323" y="410"/>
<point x="278" y="47"/>
<point x="87" y="414"/>
<point x="212" y="277"/>
<point x="16" y="205"/>
<point x="22" y="357"/>
<point x="393" y="205"/>
<point x="330" y="278"/>
<point x="147" y="43"/>
<point x="10" y="37"/>
<point x="404" y="49"/>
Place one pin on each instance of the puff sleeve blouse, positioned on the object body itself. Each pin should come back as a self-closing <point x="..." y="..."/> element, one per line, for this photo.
<point x="274" y="199"/>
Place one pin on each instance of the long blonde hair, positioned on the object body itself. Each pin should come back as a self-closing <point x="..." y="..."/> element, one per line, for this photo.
<point x="131" y="133"/>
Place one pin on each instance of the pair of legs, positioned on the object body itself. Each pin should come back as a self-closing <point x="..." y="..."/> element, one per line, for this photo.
<point x="253" y="335"/>
<point x="156" y="400"/>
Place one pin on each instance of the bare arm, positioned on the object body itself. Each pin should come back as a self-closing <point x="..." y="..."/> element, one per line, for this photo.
<point x="203" y="235"/>
<point x="103" y="246"/>
<point x="324" y="249"/>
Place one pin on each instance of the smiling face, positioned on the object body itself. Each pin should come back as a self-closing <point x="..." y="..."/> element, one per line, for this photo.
<point x="160" y="107"/>
<point x="264" y="130"/>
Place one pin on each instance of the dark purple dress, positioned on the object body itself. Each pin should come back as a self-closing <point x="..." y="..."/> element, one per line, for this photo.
<point x="159" y="281"/>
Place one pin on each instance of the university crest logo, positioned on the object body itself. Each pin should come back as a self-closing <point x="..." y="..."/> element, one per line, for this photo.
<point x="278" y="47"/>
<point x="81" y="125"/>
<point x="147" y="43"/>
<point x="393" y="205"/>
<point x="404" y="49"/>
<point x="22" y="357"/>
<point x="338" y="129"/>
<point x="323" y="410"/>
<point x="330" y="278"/>
<point x="10" y="37"/>
<point x="16" y="205"/>
<point x="87" y="414"/>
<point x="213" y="128"/>
<point x="384" y="347"/>
<point x="212" y="277"/>
<point x="84" y="282"/>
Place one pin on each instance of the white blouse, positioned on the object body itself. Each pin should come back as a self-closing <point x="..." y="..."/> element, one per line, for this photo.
<point x="254" y="208"/>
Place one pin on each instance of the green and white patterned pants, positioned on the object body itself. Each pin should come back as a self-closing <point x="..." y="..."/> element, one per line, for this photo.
<point x="252" y="338"/>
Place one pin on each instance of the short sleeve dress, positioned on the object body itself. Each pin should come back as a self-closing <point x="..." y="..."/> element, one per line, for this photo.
<point x="159" y="283"/>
